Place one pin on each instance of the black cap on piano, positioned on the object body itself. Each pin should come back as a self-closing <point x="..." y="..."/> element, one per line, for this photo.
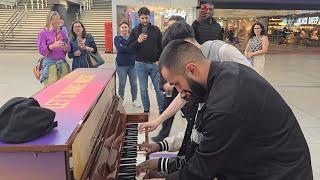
<point x="23" y="119"/>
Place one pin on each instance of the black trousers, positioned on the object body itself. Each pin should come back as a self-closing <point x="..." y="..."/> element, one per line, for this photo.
<point x="166" y="125"/>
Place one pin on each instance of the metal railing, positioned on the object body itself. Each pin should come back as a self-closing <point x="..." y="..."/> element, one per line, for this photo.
<point x="9" y="26"/>
<point x="9" y="4"/>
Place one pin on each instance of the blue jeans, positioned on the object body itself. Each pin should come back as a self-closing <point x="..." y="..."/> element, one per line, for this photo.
<point x="143" y="70"/>
<point x="122" y="72"/>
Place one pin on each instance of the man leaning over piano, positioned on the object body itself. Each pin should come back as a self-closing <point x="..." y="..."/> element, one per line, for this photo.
<point x="243" y="130"/>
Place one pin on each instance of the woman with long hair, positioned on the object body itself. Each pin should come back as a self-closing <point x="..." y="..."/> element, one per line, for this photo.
<point x="80" y="44"/>
<point x="125" y="63"/>
<point x="257" y="47"/>
<point x="53" y="46"/>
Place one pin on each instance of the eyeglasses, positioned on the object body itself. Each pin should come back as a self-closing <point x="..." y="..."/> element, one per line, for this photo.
<point x="257" y="28"/>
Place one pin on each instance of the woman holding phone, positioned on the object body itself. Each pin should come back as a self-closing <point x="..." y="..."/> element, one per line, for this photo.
<point x="80" y="44"/>
<point x="53" y="46"/>
<point x="125" y="63"/>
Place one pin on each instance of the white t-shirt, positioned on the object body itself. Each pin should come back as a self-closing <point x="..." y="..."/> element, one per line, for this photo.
<point x="218" y="50"/>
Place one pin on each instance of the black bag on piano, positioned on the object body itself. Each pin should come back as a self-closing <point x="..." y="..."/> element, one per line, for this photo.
<point x="23" y="119"/>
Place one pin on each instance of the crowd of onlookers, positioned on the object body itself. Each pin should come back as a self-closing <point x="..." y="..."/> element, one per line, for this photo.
<point x="138" y="52"/>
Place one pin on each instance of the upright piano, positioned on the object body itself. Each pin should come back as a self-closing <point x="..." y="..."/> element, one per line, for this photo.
<point x="95" y="139"/>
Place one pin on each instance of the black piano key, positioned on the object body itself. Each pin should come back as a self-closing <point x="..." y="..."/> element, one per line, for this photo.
<point x="129" y="148"/>
<point x="131" y="138"/>
<point x="126" y="177"/>
<point x="127" y="166"/>
<point x="132" y="125"/>
<point x="127" y="158"/>
<point x="128" y="161"/>
<point x="132" y="128"/>
<point x="127" y="169"/>
<point x="130" y="133"/>
<point x="130" y="156"/>
<point x="130" y="141"/>
<point x="132" y="153"/>
<point x="128" y="173"/>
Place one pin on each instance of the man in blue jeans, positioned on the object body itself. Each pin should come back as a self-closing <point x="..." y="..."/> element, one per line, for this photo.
<point x="145" y="42"/>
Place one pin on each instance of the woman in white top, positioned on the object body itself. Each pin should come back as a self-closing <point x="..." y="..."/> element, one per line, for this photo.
<point x="257" y="47"/>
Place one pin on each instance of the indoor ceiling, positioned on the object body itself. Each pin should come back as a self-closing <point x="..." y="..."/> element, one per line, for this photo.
<point x="251" y="13"/>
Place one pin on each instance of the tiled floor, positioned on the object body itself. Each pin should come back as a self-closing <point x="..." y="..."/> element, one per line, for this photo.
<point x="295" y="76"/>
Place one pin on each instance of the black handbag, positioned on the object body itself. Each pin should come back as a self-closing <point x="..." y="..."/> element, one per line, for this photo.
<point x="94" y="60"/>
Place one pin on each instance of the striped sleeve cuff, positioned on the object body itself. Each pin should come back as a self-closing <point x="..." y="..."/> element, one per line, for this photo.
<point x="163" y="164"/>
<point x="164" y="146"/>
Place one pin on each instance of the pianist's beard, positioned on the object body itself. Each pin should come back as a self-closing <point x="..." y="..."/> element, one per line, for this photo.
<point x="197" y="94"/>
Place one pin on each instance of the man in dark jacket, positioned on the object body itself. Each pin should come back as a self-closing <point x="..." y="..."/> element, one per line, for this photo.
<point x="145" y="41"/>
<point x="206" y="27"/>
<point x="244" y="130"/>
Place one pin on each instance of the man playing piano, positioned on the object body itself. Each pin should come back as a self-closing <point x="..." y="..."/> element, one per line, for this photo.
<point x="244" y="130"/>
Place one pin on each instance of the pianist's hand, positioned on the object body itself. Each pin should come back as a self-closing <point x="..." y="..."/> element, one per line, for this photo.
<point x="149" y="126"/>
<point x="148" y="167"/>
<point x="150" y="148"/>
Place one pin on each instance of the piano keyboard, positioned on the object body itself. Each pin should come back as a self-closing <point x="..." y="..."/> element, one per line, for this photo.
<point x="130" y="156"/>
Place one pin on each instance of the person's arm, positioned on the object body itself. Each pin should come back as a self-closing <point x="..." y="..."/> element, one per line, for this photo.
<point x="92" y="47"/>
<point x="172" y="143"/>
<point x="71" y="53"/>
<point x="265" y="46"/>
<point x="159" y="42"/>
<point x="195" y="27"/>
<point x="120" y="48"/>
<point x="133" y="44"/>
<point x="171" y="165"/>
<point x="172" y="109"/>
<point x="246" y="50"/>
<point x="221" y="138"/>
<point x="66" y="47"/>
<point x="221" y="33"/>
<point x="43" y="47"/>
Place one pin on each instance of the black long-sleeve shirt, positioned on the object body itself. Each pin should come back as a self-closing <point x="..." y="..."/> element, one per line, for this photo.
<point x="246" y="131"/>
<point x="149" y="50"/>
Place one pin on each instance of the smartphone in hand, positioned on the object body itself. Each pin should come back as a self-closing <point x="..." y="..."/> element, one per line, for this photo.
<point x="204" y="8"/>
<point x="145" y="30"/>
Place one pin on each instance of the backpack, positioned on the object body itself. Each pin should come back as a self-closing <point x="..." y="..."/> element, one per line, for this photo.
<point x="23" y="119"/>
<point x="37" y="68"/>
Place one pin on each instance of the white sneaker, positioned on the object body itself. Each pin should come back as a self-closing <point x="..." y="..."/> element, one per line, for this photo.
<point x="135" y="103"/>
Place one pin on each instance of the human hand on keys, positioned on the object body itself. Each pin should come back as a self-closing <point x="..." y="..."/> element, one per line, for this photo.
<point x="149" y="148"/>
<point x="149" y="126"/>
<point x="147" y="167"/>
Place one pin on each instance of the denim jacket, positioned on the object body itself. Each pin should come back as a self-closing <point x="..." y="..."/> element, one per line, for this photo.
<point x="47" y="62"/>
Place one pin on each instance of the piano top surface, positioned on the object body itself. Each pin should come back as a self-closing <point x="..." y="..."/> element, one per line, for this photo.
<point x="77" y="92"/>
